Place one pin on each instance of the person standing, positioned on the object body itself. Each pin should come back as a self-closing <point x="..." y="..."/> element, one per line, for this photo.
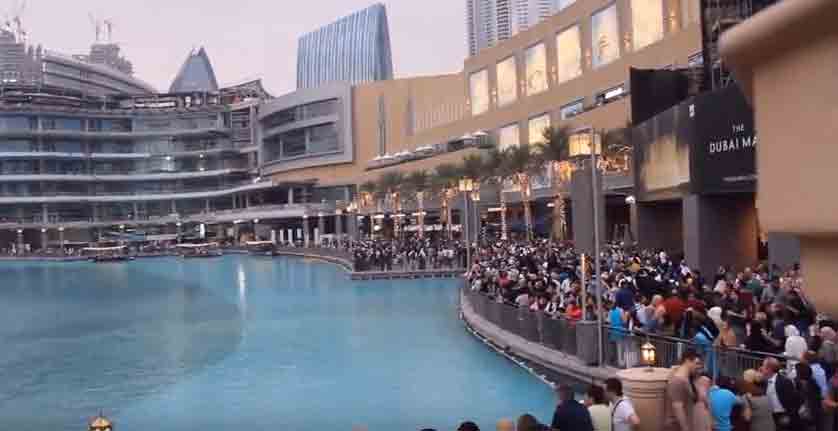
<point x="623" y="416"/>
<point x="722" y="401"/>
<point x="597" y="404"/>
<point x="570" y="415"/>
<point x="680" y="395"/>
<point x="785" y="401"/>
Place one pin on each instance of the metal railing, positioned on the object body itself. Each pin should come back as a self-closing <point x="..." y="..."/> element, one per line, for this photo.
<point x="621" y="348"/>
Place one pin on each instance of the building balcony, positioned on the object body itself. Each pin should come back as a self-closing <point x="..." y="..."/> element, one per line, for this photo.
<point x="136" y="196"/>
<point x="111" y="135"/>
<point x="125" y="176"/>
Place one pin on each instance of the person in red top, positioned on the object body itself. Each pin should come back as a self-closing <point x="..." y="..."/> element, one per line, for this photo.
<point x="573" y="311"/>
<point x="675" y="307"/>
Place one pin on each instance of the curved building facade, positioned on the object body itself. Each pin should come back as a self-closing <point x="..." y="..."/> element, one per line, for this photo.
<point x="353" y="49"/>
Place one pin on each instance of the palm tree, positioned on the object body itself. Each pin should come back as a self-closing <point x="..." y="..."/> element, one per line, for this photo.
<point x="496" y="173"/>
<point x="445" y="183"/>
<point x="417" y="182"/>
<point x="368" y="192"/>
<point x="390" y="185"/>
<point x="522" y="162"/>
<point x="553" y="151"/>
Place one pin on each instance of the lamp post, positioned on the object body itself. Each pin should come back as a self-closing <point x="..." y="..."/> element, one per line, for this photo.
<point x="475" y="197"/>
<point x="466" y="187"/>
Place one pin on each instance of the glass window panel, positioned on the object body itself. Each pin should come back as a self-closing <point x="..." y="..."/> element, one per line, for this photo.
<point x="536" y="128"/>
<point x="605" y="36"/>
<point x="294" y="143"/>
<point x="508" y="137"/>
<point x="647" y="22"/>
<point x="536" y="62"/>
<point x="569" y="45"/>
<point x="507" y="81"/>
<point x="16" y="123"/>
<point x="479" y="92"/>
<point x="323" y="139"/>
<point x="572" y="109"/>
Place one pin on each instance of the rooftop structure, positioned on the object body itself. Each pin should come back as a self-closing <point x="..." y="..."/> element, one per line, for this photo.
<point x="195" y="75"/>
<point x="353" y="49"/>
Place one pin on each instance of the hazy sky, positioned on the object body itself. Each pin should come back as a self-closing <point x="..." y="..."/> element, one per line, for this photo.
<point x="244" y="38"/>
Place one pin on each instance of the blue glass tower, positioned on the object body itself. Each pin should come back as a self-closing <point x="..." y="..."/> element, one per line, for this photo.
<point x="353" y="49"/>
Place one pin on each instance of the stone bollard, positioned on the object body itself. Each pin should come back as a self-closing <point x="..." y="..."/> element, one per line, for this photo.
<point x="645" y="387"/>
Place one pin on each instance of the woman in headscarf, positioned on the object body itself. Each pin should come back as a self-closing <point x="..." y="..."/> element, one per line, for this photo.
<point x="795" y="346"/>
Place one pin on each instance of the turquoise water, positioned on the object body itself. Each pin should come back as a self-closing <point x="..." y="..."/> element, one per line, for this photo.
<point x="243" y="342"/>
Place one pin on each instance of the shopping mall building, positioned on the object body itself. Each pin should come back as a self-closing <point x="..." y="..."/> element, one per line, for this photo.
<point x="237" y="162"/>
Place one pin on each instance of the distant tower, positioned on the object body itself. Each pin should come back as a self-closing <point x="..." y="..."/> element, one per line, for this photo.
<point x="352" y="49"/>
<point x="489" y="22"/>
<point x="195" y="75"/>
<point x="104" y="50"/>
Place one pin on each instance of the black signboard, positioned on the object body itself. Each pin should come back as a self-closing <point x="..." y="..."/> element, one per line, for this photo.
<point x="724" y="147"/>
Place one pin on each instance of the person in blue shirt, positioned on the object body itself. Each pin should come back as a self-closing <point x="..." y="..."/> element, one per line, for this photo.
<point x="722" y="401"/>
<point x="570" y="415"/>
<point x="617" y="318"/>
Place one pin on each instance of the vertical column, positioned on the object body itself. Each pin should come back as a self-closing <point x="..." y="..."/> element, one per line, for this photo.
<point x="44" y="238"/>
<point x="207" y="206"/>
<point x="44" y="213"/>
<point x="305" y="230"/>
<point x="247" y="200"/>
<point x="321" y="228"/>
<point x="339" y="223"/>
<point x="61" y="239"/>
<point x="20" y="241"/>
<point x="174" y="207"/>
<point x="95" y="212"/>
<point x="290" y="195"/>
<point x="136" y="211"/>
<point x="178" y="226"/>
<point x="234" y="201"/>
<point x="582" y="194"/>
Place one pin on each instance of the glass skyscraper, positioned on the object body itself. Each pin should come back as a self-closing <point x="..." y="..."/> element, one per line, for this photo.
<point x="353" y="49"/>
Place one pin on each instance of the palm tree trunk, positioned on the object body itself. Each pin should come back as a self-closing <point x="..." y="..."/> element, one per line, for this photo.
<point x="420" y="200"/>
<point x="528" y="218"/>
<point x="559" y="219"/>
<point x="504" y="226"/>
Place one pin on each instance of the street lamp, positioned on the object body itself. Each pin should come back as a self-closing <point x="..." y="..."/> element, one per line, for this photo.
<point x="648" y="355"/>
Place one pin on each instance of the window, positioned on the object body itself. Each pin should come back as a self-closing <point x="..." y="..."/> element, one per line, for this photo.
<point x="507" y="81"/>
<point x="17" y="123"/>
<point x="695" y="60"/>
<point x="572" y="109"/>
<point x="610" y="95"/>
<point x="508" y="137"/>
<point x="293" y="143"/>
<point x="569" y="46"/>
<point x="605" y="36"/>
<point x="536" y="128"/>
<point x="62" y="124"/>
<point x="646" y="22"/>
<point x="536" y="62"/>
<point x="565" y="3"/>
<point x="478" y="84"/>
<point x="322" y="139"/>
<point x="579" y="144"/>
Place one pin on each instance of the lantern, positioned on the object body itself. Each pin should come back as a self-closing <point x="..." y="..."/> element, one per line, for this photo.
<point x="648" y="354"/>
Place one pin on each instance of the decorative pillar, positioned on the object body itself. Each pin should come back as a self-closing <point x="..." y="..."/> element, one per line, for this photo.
<point x="645" y="387"/>
<point x="44" y="238"/>
<point x="207" y="206"/>
<point x="290" y="195"/>
<point x="305" y="230"/>
<point x="44" y="213"/>
<point x="178" y="226"/>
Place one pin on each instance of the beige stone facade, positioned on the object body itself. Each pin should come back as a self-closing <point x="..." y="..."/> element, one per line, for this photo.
<point x="414" y="112"/>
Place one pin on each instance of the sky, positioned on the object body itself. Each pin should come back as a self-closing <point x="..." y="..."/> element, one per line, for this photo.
<point x="244" y="39"/>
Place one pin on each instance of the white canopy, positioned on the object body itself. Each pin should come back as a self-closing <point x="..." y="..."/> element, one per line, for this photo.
<point x="119" y="247"/>
<point x="204" y="245"/>
<point x="259" y="243"/>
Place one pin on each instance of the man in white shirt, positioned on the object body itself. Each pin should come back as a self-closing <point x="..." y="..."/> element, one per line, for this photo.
<point x="623" y="417"/>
